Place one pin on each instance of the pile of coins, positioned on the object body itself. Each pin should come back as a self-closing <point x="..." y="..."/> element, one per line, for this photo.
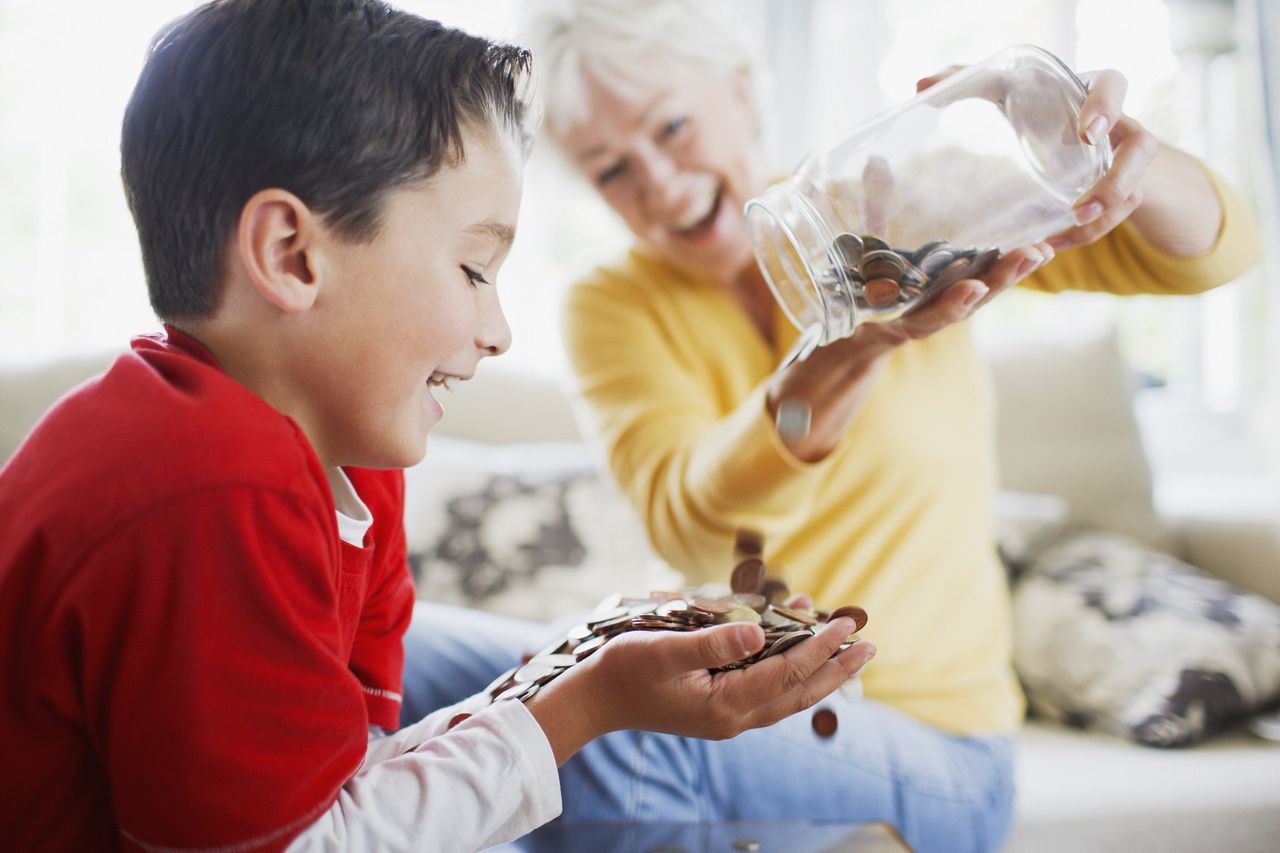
<point x="755" y="597"/>
<point x="887" y="279"/>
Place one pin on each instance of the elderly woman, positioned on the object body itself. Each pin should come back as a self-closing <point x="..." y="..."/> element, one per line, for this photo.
<point x="677" y="346"/>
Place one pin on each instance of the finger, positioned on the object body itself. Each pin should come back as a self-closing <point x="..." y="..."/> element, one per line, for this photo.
<point x="964" y="297"/>
<point x="1103" y="104"/>
<point x="949" y="307"/>
<point x="1135" y="148"/>
<point x="824" y="681"/>
<point x="925" y="82"/>
<point x="1018" y="264"/>
<point x="799" y="601"/>
<point x="1082" y="235"/>
<point x="782" y="673"/>
<point x="713" y="647"/>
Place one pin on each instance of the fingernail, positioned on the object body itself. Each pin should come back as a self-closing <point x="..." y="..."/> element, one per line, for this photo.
<point x="746" y="638"/>
<point x="1096" y="130"/>
<point x="971" y="298"/>
<point x="1029" y="263"/>
<point x="1088" y="212"/>
<point x="871" y="650"/>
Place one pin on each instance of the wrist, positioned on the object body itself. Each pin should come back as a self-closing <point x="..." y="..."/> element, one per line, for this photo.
<point x="562" y="712"/>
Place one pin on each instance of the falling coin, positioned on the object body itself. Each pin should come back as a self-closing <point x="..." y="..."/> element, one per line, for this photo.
<point x="748" y="576"/>
<point x="748" y="543"/>
<point x="825" y="722"/>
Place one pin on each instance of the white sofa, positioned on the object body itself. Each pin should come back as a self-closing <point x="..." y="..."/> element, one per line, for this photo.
<point x="1066" y="428"/>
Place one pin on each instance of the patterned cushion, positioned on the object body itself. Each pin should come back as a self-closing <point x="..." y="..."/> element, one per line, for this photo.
<point x="1114" y="636"/>
<point x="528" y="530"/>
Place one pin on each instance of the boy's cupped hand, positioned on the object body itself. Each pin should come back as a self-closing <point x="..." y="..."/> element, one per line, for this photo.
<point x="659" y="681"/>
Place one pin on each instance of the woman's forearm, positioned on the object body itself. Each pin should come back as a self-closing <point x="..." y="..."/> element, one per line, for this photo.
<point x="1180" y="211"/>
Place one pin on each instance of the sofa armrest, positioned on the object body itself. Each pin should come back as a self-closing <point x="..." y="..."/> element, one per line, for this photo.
<point x="1242" y="549"/>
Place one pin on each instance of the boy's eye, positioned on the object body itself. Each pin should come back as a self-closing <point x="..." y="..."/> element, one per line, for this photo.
<point x="612" y="172"/>
<point x="474" y="276"/>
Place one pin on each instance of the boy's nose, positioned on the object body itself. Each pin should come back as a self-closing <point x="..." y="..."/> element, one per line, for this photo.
<point x="493" y="337"/>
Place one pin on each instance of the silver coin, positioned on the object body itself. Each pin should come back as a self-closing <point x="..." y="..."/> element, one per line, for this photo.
<point x="847" y="250"/>
<point x="882" y="263"/>
<point x="787" y="641"/>
<point x="607" y="616"/>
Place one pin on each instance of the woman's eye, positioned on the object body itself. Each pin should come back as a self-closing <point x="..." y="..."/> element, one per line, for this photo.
<point x="612" y="172"/>
<point x="474" y="276"/>
<point x="674" y="126"/>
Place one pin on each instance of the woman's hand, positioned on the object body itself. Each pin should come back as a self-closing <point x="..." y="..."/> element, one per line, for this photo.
<point x="659" y="681"/>
<point x="1165" y="193"/>
<point x="836" y="379"/>
<point x="1120" y="191"/>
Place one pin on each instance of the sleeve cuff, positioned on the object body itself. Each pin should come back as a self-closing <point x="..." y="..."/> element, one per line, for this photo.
<point x="751" y="467"/>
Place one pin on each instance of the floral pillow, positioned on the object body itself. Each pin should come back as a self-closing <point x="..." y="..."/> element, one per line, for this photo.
<point x="1111" y="635"/>
<point x="532" y="530"/>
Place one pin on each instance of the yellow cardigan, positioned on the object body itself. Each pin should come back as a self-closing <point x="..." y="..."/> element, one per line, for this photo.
<point x="898" y="518"/>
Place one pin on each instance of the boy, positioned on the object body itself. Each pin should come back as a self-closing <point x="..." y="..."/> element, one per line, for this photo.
<point x="202" y="576"/>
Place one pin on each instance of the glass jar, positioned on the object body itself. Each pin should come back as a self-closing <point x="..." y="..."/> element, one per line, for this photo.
<point x="927" y="194"/>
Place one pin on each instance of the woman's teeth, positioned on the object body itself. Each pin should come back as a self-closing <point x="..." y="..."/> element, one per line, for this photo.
<point x="446" y="382"/>
<point x="697" y="213"/>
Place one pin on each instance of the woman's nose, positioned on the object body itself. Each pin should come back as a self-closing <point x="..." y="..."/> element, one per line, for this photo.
<point x="660" y="185"/>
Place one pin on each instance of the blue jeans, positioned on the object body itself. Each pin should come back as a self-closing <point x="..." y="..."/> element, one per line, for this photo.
<point x="940" y="791"/>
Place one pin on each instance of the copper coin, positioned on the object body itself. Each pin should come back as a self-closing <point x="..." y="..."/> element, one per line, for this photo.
<point x="795" y="615"/>
<point x="457" y="719"/>
<point x="714" y="606"/>
<point x="748" y="543"/>
<point x="857" y="614"/>
<point x="748" y="576"/>
<point x="881" y="292"/>
<point x="825" y="722"/>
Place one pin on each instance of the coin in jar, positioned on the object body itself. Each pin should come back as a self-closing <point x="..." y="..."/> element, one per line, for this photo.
<point x="881" y="292"/>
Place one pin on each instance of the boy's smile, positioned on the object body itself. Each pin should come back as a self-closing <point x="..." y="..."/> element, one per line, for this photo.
<point x="350" y="337"/>
<point x="414" y="309"/>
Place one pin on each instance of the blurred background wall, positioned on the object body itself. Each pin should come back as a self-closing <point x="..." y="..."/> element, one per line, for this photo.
<point x="1203" y="74"/>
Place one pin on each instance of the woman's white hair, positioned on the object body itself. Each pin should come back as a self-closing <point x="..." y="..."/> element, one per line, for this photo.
<point x="617" y="41"/>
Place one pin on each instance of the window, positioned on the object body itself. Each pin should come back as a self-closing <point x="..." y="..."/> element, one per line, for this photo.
<point x="71" y="280"/>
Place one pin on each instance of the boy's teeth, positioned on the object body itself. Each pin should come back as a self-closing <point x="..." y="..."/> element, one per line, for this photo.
<point x="446" y="382"/>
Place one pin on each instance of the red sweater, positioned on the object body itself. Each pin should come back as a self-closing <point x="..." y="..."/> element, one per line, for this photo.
<point x="189" y="655"/>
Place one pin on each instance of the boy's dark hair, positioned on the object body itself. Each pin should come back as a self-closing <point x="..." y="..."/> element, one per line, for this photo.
<point x="336" y="101"/>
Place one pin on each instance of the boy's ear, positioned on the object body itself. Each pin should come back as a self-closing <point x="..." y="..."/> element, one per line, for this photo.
<point x="278" y="241"/>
